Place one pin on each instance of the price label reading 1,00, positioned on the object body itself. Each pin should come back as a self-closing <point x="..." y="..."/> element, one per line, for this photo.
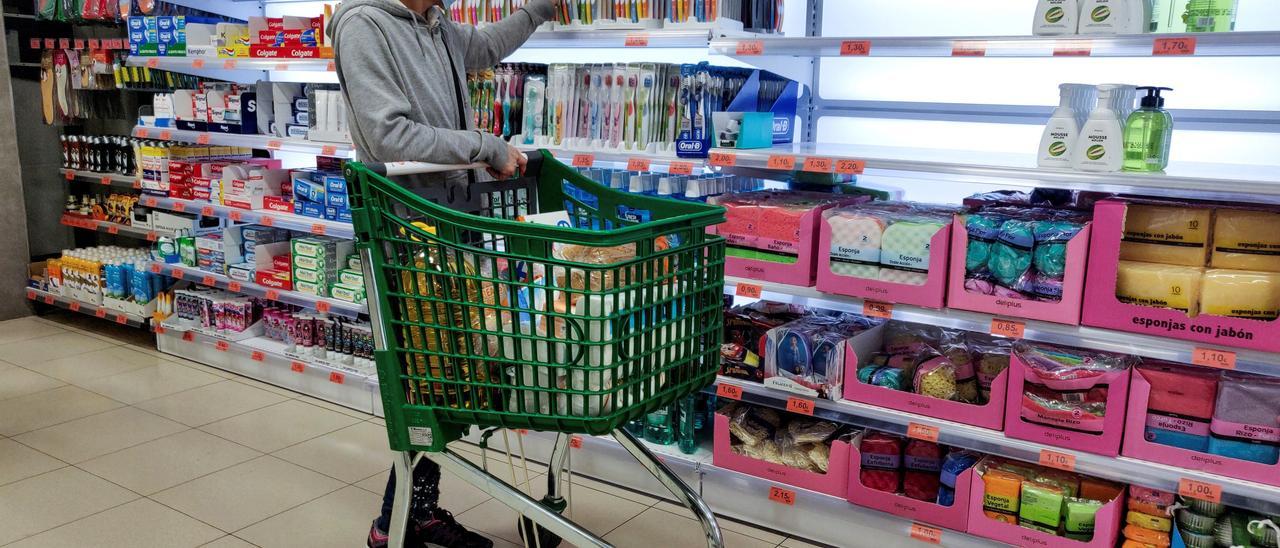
<point x="1200" y="490"/>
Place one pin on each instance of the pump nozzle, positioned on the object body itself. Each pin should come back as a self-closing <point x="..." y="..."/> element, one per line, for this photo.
<point x="1153" y="98"/>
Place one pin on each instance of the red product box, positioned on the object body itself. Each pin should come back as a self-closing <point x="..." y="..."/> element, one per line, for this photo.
<point x="287" y="52"/>
<point x="272" y="279"/>
<point x="277" y="203"/>
<point x="201" y="193"/>
<point x="954" y="517"/>
<point x="1101" y="437"/>
<point x="282" y="262"/>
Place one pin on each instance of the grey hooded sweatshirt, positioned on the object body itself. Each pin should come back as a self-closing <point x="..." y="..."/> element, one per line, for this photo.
<point x="404" y="78"/>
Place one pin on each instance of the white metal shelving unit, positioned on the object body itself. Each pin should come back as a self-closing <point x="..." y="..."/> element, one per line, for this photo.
<point x="108" y="227"/>
<point x="305" y="300"/>
<point x="262" y="142"/>
<point x="279" y="219"/>
<point x="76" y="305"/>
<point x="105" y="179"/>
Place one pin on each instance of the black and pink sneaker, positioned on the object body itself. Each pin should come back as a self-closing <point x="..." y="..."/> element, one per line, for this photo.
<point x="441" y="530"/>
<point x="377" y="539"/>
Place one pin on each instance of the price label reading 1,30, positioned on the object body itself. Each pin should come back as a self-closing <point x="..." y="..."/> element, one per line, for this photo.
<point x="800" y="405"/>
<point x="1209" y="357"/>
<point x="1183" y="45"/>
<point x="855" y="47"/>
<point x="727" y="390"/>
<point x="922" y="432"/>
<point x="749" y="47"/>
<point x="1054" y="459"/>
<point x="1200" y="490"/>
<point x="818" y="165"/>
<point x="782" y="496"/>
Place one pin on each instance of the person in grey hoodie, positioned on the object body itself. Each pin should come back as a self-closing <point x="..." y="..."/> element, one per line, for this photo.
<point x="402" y="65"/>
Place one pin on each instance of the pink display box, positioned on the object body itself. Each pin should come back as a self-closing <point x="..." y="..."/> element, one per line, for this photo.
<point x="1104" y="310"/>
<point x="954" y="517"/>
<point x="1065" y="311"/>
<point x="1137" y="446"/>
<point x="1104" y="442"/>
<point x="868" y="342"/>
<point x="930" y="294"/>
<point x="801" y="272"/>
<point x="834" y="482"/>
<point x="1106" y="528"/>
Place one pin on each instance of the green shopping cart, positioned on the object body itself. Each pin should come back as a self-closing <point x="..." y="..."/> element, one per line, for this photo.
<point x="549" y="303"/>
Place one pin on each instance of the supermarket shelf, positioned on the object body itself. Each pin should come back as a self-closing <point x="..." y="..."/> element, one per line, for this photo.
<point x="1251" y="361"/>
<point x="1182" y="180"/>
<point x="1208" y="44"/>
<point x="190" y="64"/>
<point x="1240" y="493"/>
<point x="266" y="360"/>
<point x="264" y="142"/>
<point x="744" y="497"/>
<point x="619" y="38"/>
<point x="108" y="227"/>
<point x="182" y="272"/>
<point x="660" y="163"/>
<point x="82" y="307"/>
<point x="263" y="217"/>
<point x="105" y="179"/>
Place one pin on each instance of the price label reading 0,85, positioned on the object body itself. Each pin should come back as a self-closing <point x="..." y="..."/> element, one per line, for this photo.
<point x="1008" y="328"/>
<point x="855" y="47"/>
<point x="731" y="391"/>
<point x="1054" y="459"/>
<point x="922" y="432"/>
<point x="782" y="496"/>
<point x="1200" y="490"/>
<point x="877" y="310"/>
<point x="1209" y="357"/>
<point x="800" y="405"/>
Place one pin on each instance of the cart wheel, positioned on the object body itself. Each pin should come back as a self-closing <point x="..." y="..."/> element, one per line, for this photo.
<point x="546" y="539"/>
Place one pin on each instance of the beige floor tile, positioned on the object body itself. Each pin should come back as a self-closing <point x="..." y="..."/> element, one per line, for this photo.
<point x="230" y="541"/>
<point x="798" y="543"/>
<point x="375" y="483"/>
<point x="211" y="402"/>
<point x="151" y="382"/>
<point x="656" y="527"/>
<point x="106" y="330"/>
<point x="278" y="426"/>
<point x="29" y="327"/>
<point x="615" y="490"/>
<point x="96" y="435"/>
<point x="350" y="454"/>
<point x="378" y="421"/>
<point x="247" y="493"/>
<point x="22" y="462"/>
<point x="267" y="386"/>
<point x="33" y="411"/>
<point x="492" y="518"/>
<point x="172" y="460"/>
<point x="335" y="407"/>
<point x="456" y="496"/>
<point x="16" y="381"/>
<point x="340" y="520"/>
<point x="215" y="371"/>
<point x="595" y="510"/>
<point x="51" y="347"/>
<point x="84" y="368"/>
<point x="725" y="523"/>
<point x="500" y="469"/>
<point x="142" y="523"/>
<point x="43" y="502"/>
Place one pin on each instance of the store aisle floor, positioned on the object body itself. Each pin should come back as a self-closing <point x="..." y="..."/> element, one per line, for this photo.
<point x="106" y="442"/>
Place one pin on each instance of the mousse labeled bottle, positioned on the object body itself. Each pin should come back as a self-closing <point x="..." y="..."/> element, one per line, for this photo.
<point x="1056" y="17"/>
<point x="1100" y="146"/>
<point x="1147" y="134"/>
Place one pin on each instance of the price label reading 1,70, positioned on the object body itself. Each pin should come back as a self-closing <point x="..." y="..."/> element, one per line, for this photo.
<point x="1184" y="45"/>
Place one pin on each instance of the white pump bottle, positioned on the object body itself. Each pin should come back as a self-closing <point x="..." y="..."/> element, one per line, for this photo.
<point x="1056" y="17"/>
<point x="1101" y="143"/>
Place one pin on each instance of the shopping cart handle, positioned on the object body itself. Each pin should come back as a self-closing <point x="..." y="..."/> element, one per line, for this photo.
<point x="390" y="169"/>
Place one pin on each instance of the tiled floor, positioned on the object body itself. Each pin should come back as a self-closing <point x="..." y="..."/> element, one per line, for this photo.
<point x="106" y="442"/>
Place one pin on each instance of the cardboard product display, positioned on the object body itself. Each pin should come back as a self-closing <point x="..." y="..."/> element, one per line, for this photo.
<point x="834" y="482"/>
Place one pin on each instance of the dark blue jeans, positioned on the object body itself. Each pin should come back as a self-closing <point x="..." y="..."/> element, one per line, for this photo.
<point x="425" y="494"/>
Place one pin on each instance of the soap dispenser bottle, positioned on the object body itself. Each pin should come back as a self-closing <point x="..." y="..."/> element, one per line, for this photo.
<point x="1102" y="16"/>
<point x="1147" y="133"/>
<point x="1056" y="17"/>
<point x="1100" y="146"/>
<point x="1063" y="129"/>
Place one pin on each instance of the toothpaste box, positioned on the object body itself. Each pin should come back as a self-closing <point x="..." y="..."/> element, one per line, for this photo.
<point x="242" y="272"/>
<point x="320" y="290"/>
<point x="308" y="209"/>
<point x="351" y="277"/>
<point x="348" y="293"/>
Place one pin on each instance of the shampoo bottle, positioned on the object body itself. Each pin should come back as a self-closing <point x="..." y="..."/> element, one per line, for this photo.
<point x="1063" y="129"/>
<point x="1056" y="17"/>
<point x="1147" y="134"/>
<point x="1100" y="146"/>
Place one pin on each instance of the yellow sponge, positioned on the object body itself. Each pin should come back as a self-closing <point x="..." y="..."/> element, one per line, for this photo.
<point x="1167" y="235"/>
<point x="1159" y="285"/>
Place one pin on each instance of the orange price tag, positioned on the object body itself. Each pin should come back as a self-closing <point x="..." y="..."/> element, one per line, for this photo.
<point x="48" y="299"/>
<point x="323" y="306"/>
<point x="207" y="211"/>
<point x="800" y="405"/>
<point x="331" y="66"/>
<point x="282" y="66"/>
<point x="850" y="167"/>
<point x="229" y="64"/>
<point x="94" y="43"/>
<point x="273" y="144"/>
<point x="101" y="312"/>
<point x="257" y="356"/>
<point x="1008" y="328"/>
<point x="328" y="150"/>
<point x="584" y="160"/>
<point x="819" y="165"/>
<point x="106" y="180"/>
<point x="156" y="268"/>
<point x="922" y="432"/>
<point x="1200" y="490"/>
<point x="188" y="336"/>
<point x="74" y="306"/>
<point x="636" y="41"/>
<point x="575" y="442"/>
<point x="1061" y="461"/>
<point x="267" y="221"/>
<point x="208" y="280"/>
<point x="137" y="184"/>
<point x="1184" y="45"/>
<point x="177" y="274"/>
<point x="149" y="201"/>
<point x="49" y="43"/>
<point x="782" y="496"/>
<point x="151" y="236"/>
<point x="1208" y="357"/>
<point x="969" y="48"/>
<point x="153" y="62"/>
<point x="317" y="229"/>
<point x="781" y="161"/>
<point x="297" y="367"/>
<point x="197" y="63"/>
<point x="723" y="159"/>
<point x="273" y="295"/>
<point x="337" y="378"/>
<point x="1073" y="48"/>
<point x="748" y="290"/>
<point x="160" y="329"/>
<point x="855" y="47"/>
<point x="202" y="139"/>
<point x="113" y="229"/>
<point x="874" y="309"/>
<point x="680" y="168"/>
<point x="236" y="215"/>
<point x="70" y="175"/>
<point x="31" y="295"/>
<point x="222" y="346"/>
<point x="749" y="47"/>
<point x="924" y="533"/>
<point x="233" y="286"/>
<point x="140" y="132"/>
<point x="122" y="319"/>
<point x="179" y="206"/>
<point x="166" y="135"/>
<point x="731" y="391"/>
<point x="637" y="164"/>
<point x="78" y="43"/>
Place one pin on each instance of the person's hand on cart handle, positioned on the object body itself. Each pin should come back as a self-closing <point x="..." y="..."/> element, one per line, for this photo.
<point x="512" y="165"/>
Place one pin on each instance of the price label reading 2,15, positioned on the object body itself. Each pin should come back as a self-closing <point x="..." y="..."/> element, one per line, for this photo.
<point x="782" y="496"/>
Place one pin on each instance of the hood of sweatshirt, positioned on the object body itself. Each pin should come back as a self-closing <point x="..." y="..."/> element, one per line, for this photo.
<point x="392" y="7"/>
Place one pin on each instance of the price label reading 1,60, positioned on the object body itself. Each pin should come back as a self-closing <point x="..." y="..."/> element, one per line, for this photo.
<point x="800" y="405"/>
<point x="731" y="391"/>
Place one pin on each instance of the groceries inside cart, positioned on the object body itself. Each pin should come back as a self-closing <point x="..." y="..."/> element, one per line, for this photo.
<point x="549" y="302"/>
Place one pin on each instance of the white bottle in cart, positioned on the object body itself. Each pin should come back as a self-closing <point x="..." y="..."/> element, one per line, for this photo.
<point x="1100" y="146"/>
<point x="1061" y="133"/>
<point x="1056" y="17"/>
<point x="1102" y="16"/>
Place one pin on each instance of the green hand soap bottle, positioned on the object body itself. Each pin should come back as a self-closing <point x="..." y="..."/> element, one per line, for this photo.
<point x="1147" y="133"/>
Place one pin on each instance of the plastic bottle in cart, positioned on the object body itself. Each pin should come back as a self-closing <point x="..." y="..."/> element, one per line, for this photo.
<point x="687" y="427"/>
<point x="659" y="427"/>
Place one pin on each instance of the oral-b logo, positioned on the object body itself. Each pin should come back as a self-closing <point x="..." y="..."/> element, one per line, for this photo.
<point x="690" y="146"/>
<point x="781" y="125"/>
